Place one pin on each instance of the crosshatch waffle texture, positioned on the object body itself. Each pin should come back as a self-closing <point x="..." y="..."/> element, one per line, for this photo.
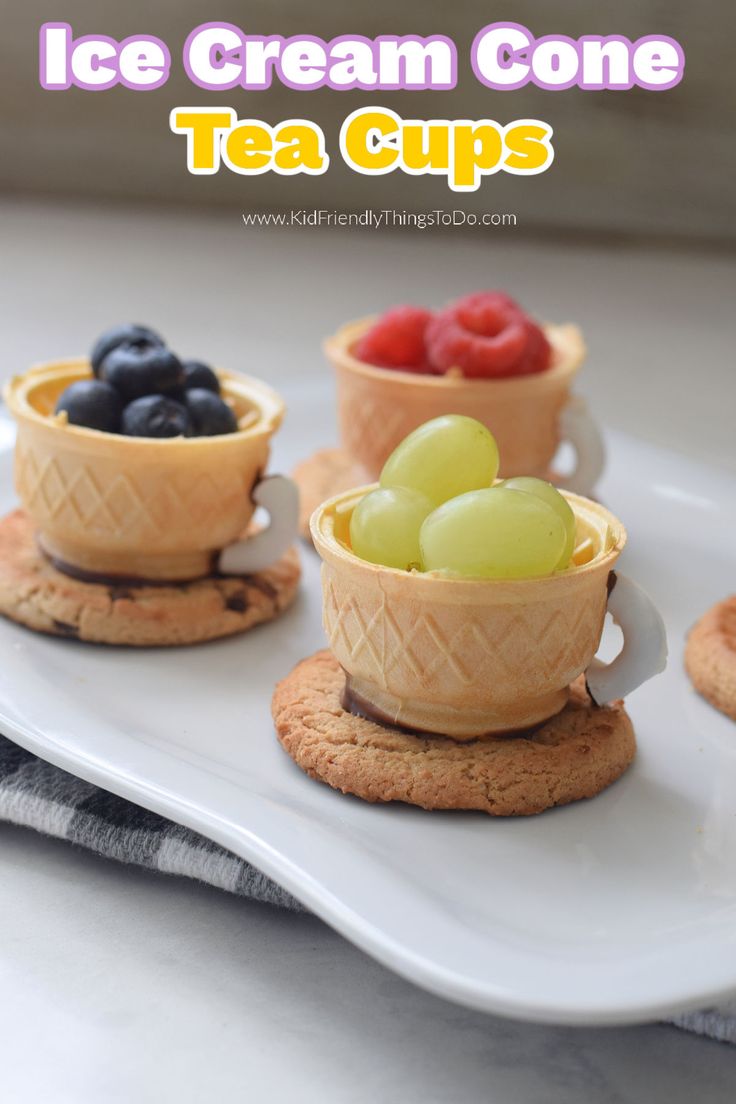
<point x="114" y="504"/>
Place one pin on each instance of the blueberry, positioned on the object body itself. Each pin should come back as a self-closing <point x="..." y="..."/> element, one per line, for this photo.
<point x="93" y="404"/>
<point x="210" y="416"/>
<point x="130" y="333"/>
<point x="137" y="370"/>
<point x="197" y="374"/>
<point x="156" y="416"/>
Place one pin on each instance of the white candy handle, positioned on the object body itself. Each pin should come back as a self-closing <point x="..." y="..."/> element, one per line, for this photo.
<point x="644" y="653"/>
<point x="579" y="428"/>
<point x="280" y="497"/>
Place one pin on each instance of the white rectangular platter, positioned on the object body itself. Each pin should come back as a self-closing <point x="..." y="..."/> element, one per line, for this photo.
<point x="615" y="910"/>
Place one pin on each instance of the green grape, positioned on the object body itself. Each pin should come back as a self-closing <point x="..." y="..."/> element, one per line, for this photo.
<point x="384" y="528"/>
<point x="496" y="533"/>
<point x="553" y="498"/>
<point x="444" y="458"/>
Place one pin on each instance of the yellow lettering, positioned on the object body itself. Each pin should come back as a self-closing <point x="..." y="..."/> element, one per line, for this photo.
<point x="301" y="148"/>
<point x="363" y="140"/>
<point x="476" y="148"/>
<point x="426" y="147"/>
<point x="203" y="129"/>
<point x="249" y="147"/>
<point x="528" y="147"/>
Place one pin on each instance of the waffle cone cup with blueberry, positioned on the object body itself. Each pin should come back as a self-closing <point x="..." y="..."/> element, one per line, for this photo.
<point x="156" y="509"/>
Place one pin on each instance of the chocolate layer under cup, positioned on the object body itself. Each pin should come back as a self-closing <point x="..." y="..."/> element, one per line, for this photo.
<point x="378" y="407"/>
<point x="131" y="506"/>
<point x="463" y="657"/>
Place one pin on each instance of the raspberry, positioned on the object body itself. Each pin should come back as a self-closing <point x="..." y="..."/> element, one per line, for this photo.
<point x="396" y="340"/>
<point x="486" y="335"/>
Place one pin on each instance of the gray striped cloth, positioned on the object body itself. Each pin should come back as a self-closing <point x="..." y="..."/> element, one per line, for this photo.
<point x="37" y="795"/>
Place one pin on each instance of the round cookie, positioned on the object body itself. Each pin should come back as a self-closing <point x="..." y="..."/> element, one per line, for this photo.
<point x="34" y="593"/>
<point x="574" y="755"/>
<point x="324" y="474"/>
<point x="710" y="656"/>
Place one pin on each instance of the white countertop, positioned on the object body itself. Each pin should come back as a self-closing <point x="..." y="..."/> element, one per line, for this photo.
<point x="119" y="985"/>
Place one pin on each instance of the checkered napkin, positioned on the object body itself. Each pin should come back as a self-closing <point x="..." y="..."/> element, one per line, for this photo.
<point x="37" y="795"/>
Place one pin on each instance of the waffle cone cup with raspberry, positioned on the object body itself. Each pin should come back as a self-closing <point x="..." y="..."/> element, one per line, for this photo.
<point x="378" y="407"/>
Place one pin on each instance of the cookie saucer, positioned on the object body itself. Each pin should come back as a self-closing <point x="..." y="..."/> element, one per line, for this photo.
<point x="36" y="594"/>
<point x="574" y="755"/>
<point x="710" y="656"/>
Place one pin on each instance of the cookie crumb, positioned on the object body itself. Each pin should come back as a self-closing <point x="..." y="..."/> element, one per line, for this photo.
<point x="237" y="602"/>
<point x="65" y="628"/>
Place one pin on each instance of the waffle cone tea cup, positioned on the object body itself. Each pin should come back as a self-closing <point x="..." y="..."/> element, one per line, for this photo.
<point x="528" y="415"/>
<point x="472" y="657"/>
<point x="133" y="507"/>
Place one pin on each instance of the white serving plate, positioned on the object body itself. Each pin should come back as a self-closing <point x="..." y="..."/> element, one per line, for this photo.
<point x="616" y="910"/>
